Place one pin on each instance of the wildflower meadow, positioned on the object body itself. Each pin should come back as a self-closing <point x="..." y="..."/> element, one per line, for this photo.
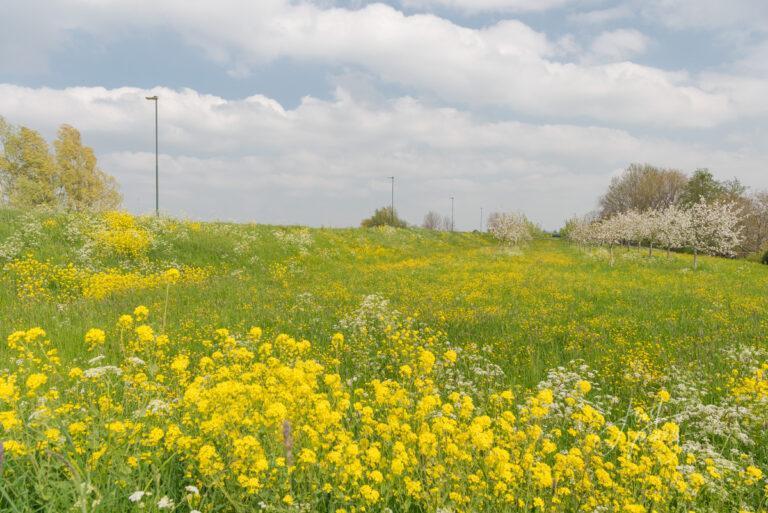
<point x="154" y="364"/>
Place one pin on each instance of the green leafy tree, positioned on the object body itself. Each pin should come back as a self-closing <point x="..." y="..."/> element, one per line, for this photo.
<point x="703" y="185"/>
<point x="31" y="176"/>
<point x="83" y="186"/>
<point x="384" y="216"/>
<point x="27" y="168"/>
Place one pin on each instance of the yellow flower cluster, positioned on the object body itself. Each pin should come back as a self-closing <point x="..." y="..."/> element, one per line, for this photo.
<point x="122" y="237"/>
<point x="36" y="280"/>
<point x="102" y="284"/>
<point x="254" y="421"/>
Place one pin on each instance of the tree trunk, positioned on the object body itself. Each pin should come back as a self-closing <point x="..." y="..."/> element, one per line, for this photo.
<point x="669" y="250"/>
<point x="695" y="258"/>
<point x="650" y="249"/>
<point x="610" y="248"/>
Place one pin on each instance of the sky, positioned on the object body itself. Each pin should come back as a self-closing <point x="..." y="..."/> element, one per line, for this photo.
<point x="297" y="112"/>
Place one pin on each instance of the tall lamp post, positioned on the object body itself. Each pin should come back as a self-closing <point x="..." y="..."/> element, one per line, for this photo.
<point x="452" y="223"/>
<point x="157" y="166"/>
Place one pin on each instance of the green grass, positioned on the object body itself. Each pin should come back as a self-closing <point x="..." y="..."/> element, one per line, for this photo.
<point x="535" y="308"/>
<point x="514" y="315"/>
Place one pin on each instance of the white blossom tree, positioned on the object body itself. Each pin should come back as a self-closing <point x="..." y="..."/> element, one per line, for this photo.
<point x="511" y="228"/>
<point x="610" y="232"/>
<point x="712" y="229"/>
<point x="672" y="224"/>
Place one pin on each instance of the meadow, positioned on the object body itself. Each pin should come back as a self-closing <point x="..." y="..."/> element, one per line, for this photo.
<point x="169" y="365"/>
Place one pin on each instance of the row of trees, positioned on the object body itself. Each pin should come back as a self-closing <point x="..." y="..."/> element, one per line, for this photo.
<point x="32" y="175"/>
<point x="703" y="227"/>
<point x="644" y="188"/>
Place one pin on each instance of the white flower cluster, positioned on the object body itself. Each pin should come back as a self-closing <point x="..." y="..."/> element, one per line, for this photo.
<point x="300" y="239"/>
<point x="711" y="228"/>
<point x="511" y="228"/>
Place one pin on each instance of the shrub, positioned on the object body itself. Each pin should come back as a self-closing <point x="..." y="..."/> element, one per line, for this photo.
<point x="384" y="216"/>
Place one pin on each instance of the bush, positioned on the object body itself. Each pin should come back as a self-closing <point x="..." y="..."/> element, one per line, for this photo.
<point x="384" y="216"/>
<point x="764" y="260"/>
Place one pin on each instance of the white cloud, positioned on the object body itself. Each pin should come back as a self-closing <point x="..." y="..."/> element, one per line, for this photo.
<point x="708" y="14"/>
<point x="326" y="162"/>
<point x="619" y="45"/>
<point x="475" y="6"/>
<point x="506" y="65"/>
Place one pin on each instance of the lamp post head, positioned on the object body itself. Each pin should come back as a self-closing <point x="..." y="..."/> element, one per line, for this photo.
<point x="152" y="97"/>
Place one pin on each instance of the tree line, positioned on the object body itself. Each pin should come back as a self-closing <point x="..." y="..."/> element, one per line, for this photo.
<point x="67" y="176"/>
<point x="704" y="227"/>
<point x="645" y="188"/>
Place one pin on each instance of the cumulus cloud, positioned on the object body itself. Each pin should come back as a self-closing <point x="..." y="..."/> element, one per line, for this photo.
<point x="507" y="65"/>
<point x="619" y="45"/>
<point x="326" y="161"/>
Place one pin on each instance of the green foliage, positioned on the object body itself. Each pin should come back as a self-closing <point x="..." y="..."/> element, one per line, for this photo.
<point x="28" y="169"/>
<point x="384" y="216"/>
<point x="31" y="176"/>
<point x="83" y="186"/>
<point x="703" y="184"/>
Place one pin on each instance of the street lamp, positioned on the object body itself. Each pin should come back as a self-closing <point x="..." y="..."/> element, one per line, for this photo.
<point x="452" y="224"/>
<point x="157" y="166"/>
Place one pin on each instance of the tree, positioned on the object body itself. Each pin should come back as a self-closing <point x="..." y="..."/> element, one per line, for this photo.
<point x="510" y="228"/>
<point x="703" y="186"/>
<point x="82" y="185"/>
<point x="432" y="221"/>
<point x="30" y="176"/>
<point x="712" y="229"/>
<point x="610" y="232"/>
<point x="384" y="216"/>
<point x="673" y="224"/>
<point x="447" y="224"/>
<point x="642" y="187"/>
<point x="754" y="223"/>
<point x="27" y="168"/>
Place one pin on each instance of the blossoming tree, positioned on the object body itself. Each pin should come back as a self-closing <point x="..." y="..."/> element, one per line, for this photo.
<point x="511" y="228"/>
<point x="712" y="228"/>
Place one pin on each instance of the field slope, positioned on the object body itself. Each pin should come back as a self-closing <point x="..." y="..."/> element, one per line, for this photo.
<point x="175" y="365"/>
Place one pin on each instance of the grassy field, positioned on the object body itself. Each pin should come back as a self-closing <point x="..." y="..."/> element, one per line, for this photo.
<point x="442" y="371"/>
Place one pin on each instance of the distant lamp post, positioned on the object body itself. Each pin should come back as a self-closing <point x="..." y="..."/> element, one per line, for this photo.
<point x="452" y="218"/>
<point x="157" y="165"/>
<point x="481" y="219"/>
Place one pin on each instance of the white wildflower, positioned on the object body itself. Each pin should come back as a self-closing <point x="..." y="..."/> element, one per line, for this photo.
<point x="137" y="496"/>
<point x="165" y="503"/>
